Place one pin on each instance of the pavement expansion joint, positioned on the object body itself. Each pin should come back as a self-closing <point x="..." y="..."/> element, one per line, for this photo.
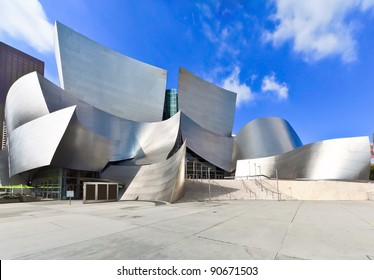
<point x="221" y="241"/>
<point x="354" y="214"/>
<point x="288" y="229"/>
<point x="286" y="257"/>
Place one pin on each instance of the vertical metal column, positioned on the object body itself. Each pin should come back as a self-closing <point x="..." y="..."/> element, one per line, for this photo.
<point x="276" y="176"/>
<point x="210" y="200"/>
<point x="249" y="169"/>
<point x="201" y="172"/>
<point x="193" y="170"/>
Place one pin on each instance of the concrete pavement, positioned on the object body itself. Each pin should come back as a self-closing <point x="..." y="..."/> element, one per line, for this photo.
<point x="192" y="230"/>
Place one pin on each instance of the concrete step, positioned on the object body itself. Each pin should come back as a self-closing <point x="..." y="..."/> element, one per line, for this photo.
<point x="198" y="190"/>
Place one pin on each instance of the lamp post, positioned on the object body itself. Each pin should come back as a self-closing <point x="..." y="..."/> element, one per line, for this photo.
<point x="276" y="176"/>
<point x="209" y="183"/>
<point x="259" y="172"/>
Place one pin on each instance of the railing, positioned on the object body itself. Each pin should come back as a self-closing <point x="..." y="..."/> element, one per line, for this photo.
<point x="261" y="181"/>
<point x="248" y="189"/>
<point x="260" y="184"/>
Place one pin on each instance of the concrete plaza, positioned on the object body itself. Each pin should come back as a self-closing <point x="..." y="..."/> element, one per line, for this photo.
<point x="191" y="230"/>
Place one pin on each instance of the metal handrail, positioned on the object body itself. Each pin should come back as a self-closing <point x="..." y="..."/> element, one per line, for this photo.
<point x="249" y="189"/>
<point x="260" y="183"/>
<point x="252" y="176"/>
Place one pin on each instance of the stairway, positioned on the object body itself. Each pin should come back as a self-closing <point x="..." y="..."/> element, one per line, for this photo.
<point x="240" y="189"/>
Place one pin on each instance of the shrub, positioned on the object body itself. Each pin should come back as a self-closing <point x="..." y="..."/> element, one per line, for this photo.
<point x="371" y="177"/>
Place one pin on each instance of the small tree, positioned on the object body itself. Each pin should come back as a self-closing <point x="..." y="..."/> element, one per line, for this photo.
<point x="371" y="177"/>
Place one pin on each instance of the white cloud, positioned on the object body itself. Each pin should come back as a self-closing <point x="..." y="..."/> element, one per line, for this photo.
<point x="226" y="48"/>
<point x="270" y="84"/>
<point x="232" y="83"/>
<point x="318" y="28"/>
<point x="223" y="35"/>
<point x="209" y="33"/>
<point x="26" y="21"/>
<point x="270" y="88"/>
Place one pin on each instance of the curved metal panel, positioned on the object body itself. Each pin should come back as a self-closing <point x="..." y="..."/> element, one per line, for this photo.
<point x="265" y="137"/>
<point x="161" y="181"/>
<point x="93" y="137"/>
<point x="212" y="147"/>
<point x="83" y="149"/>
<point x="24" y="102"/>
<point x="336" y="159"/>
<point x="211" y="107"/>
<point x="109" y="80"/>
<point x="34" y="144"/>
<point x="112" y="138"/>
<point x="157" y="139"/>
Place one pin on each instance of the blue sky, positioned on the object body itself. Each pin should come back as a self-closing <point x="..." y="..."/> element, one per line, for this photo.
<point x="310" y="62"/>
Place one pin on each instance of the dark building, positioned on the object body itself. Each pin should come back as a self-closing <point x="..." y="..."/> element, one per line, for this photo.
<point x="13" y="65"/>
<point x="171" y="103"/>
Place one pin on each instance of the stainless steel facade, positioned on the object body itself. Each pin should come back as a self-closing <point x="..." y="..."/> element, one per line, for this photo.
<point x="214" y="148"/>
<point x="108" y="80"/>
<point x="24" y="93"/>
<point x="13" y="65"/>
<point x="265" y="137"/>
<point x="336" y="159"/>
<point x="159" y="181"/>
<point x="268" y="143"/>
<point x="211" y="107"/>
<point x="100" y="123"/>
<point x="113" y="138"/>
<point x="34" y="144"/>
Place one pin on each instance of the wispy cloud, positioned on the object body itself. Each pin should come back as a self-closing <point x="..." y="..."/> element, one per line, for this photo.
<point x="233" y="83"/>
<point x="26" y="21"/>
<point x="271" y="85"/>
<point x="210" y="33"/>
<point x="205" y="10"/>
<point x="220" y="28"/>
<point x="318" y="28"/>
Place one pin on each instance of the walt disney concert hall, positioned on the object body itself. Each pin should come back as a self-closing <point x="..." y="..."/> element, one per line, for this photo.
<point x="105" y="123"/>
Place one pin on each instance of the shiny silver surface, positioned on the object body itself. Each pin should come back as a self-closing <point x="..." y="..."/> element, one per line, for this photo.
<point x="161" y="181"/>
<point x="214" y="148"/>
<point x="93" y="137"/>
<point x="24" y="102"/>
<point x="108" y="80"/>
<point x="34" y="144"/>
<point x="336" y="159"/>
<point x="108" y="119"/>
<point x="82" y="149"/>
<point x="79" y="127"/>
<point x="264" y="137"/>
<point x="211" y="107"/>
<point x="85" y="138"/>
